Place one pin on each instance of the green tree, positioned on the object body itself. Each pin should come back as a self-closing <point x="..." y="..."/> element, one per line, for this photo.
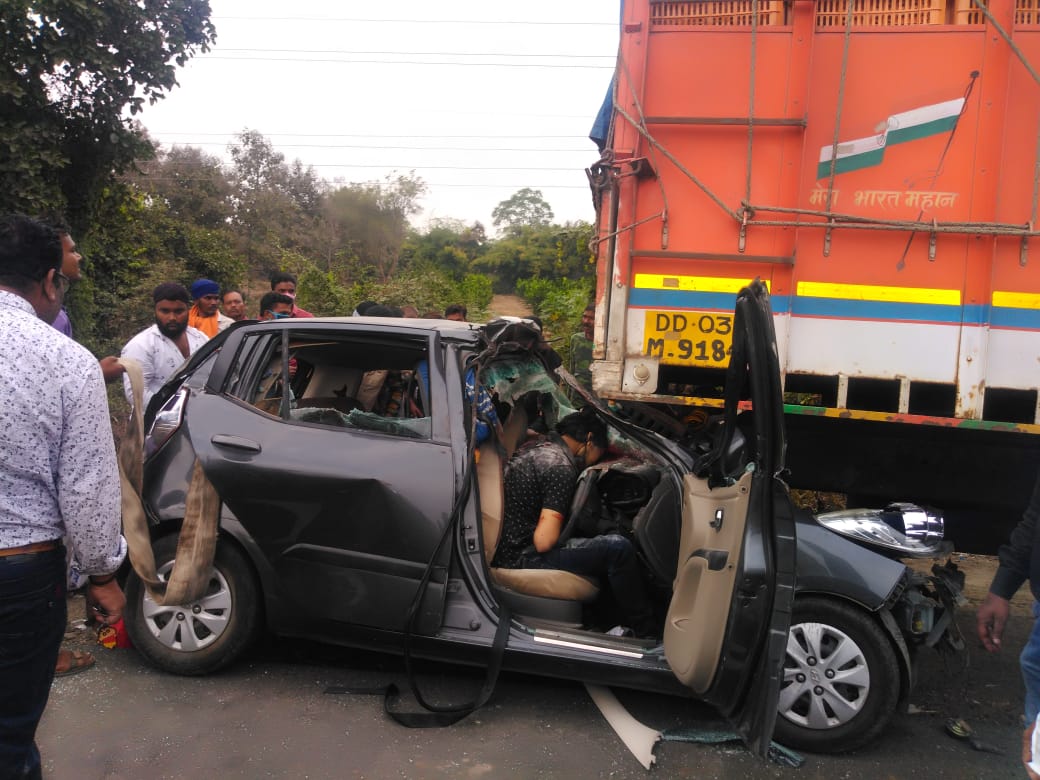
<point x="73" y="75"/>
<point x="193" y="185"/>
<point x="523" y="209"/>
<point x="370" y="221"/>
<point x="559" y="304"/>
<point x="124" y="258"/>
<point x="447" y="243"/>
<point x="427" y="287"/>
<point x="542" y="252"/>
<point x="276" y="205"/>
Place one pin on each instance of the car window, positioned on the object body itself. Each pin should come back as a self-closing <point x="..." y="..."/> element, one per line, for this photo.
<point x="347" y="381"/>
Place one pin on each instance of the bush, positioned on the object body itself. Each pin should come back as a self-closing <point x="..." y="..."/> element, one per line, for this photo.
<point x="559" y="304"/>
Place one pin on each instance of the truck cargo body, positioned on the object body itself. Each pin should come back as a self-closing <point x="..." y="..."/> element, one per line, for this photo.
<point x="877" y="165"/>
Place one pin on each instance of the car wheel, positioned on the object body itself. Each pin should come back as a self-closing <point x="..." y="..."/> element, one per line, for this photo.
<point x="202" y="636"/>
<point x="841" y="678"/>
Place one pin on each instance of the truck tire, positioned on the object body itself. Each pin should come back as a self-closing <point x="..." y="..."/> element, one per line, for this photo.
<point x="206" y="635"/>
<point x="841" y="678"/>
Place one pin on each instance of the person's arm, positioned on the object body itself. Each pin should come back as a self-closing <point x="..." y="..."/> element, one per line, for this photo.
<point x="547" y="532"/>
<point x="557" y="483"/>
<point x="1015" y="558"/>
<point x="106" y="599"/>
<point x="111" y="368"/>
<point x="990" y="620"/>
<point x="87" y="477"/>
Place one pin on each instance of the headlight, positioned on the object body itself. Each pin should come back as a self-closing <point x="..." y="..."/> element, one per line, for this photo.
<point x="905" y="528"/>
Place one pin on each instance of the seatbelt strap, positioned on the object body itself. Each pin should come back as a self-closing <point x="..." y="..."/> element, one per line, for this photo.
<point x="437" y="716"/>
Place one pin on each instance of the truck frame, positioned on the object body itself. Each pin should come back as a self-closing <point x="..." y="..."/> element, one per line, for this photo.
<point x="877" y="164"/>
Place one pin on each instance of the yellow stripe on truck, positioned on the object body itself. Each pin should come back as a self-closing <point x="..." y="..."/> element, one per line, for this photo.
<point x="874" y="292"/>
<point x="1016" y="300"/>
<point x="691" y="283"/>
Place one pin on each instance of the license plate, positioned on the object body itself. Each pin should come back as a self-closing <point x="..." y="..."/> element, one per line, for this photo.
<point x="689" y="338"/>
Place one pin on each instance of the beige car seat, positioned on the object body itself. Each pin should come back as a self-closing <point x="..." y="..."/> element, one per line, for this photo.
<point x="550" y="594"/>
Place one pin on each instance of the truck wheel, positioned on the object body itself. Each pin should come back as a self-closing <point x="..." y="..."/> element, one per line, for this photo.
<point x="841" y="679"/>
<point x="203" y="636"/>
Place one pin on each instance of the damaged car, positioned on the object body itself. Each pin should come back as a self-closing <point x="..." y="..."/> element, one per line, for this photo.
<point x="362" y="503"/>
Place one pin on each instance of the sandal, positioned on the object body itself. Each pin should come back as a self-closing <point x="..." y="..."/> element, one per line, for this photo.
<point x="73" y="661"/>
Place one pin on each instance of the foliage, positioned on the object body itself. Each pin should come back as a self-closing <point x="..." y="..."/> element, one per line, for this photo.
<point x="548" y="252"/>
<point x="204" y="253"/>
<point x="370" y="221"/>
<point x="192" y="184"/>
<point x="276" y="205"/>
<point x="322" y="295"/>
<point x="476" y="293"/>
<point x="123" y="254"/>
<point x="70" y="73"/>
<point x="429" y="288"/>
<point x="559" y="304"/>
<point x="447" y="244"/>
<point x="136" y="245"/>
<point x="525" y="208"/>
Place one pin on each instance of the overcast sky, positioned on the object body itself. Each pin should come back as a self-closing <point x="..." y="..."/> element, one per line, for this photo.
<point x="479" y="98"/>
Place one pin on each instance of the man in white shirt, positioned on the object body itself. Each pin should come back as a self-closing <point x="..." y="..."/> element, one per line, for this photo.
<point x="58" y="478"/>
<point x="163" y="347"/>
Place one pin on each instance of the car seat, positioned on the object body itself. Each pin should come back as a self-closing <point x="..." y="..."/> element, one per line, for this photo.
<point x="547" y="594"/>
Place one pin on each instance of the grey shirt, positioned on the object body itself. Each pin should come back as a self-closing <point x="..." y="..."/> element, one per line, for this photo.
<point x="58" y="471"/>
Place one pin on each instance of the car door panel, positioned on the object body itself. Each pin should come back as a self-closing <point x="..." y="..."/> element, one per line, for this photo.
<point x="727" y="623"/>
<point x="347" y="519"/>
<point x="711" y="540"/>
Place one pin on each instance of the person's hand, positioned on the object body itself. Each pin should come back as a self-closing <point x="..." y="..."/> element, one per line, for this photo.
<point x="106" y="602"/>
<point x="991" y="619"/>
<point x="111" y="368"/>
<point x="1027" y="750"/>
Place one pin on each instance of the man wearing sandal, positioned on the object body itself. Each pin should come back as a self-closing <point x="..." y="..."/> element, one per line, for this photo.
<point x="58" y="478"/>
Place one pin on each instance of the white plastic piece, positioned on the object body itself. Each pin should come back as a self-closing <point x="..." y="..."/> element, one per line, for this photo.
<point x="639" y="739"/>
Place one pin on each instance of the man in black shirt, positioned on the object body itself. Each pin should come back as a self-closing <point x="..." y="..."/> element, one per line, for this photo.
<point x="539" y="484"/>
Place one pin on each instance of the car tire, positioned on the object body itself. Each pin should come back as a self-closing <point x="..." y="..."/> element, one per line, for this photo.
<point x="206" y="635"/>
<point x="841" y="678"/>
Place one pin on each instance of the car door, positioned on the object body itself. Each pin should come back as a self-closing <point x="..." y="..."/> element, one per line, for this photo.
<point x="347" y="505"/>
<point x="726" y="630"/>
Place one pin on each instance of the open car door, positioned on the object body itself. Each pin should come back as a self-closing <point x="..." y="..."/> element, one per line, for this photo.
<point x="726" y="631"/>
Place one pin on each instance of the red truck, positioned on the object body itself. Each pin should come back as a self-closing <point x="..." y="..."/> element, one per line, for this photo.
<point x="875" y="162"/>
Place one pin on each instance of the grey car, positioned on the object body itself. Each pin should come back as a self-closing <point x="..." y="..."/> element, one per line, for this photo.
<point x="358" y="508"/>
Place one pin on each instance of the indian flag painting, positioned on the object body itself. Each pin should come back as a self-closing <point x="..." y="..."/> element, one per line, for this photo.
<point x="897" y="129"/>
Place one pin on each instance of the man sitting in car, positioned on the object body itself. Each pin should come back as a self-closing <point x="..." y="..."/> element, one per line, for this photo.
<point x="539" y="484"/>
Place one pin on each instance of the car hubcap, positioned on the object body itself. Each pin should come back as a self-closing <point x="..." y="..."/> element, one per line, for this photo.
<point x="189" y="627"/>
<point x="826" y="678"/>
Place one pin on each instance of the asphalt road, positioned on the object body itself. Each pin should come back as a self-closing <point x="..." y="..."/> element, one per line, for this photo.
<point x="269" y="717"/>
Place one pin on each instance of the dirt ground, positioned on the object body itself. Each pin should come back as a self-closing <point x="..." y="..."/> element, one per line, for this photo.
<point x="508" y="306"/>
<point x="983" y="688"/>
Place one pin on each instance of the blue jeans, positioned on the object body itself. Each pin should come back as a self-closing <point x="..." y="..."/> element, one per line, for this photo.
<point x="32" y="623"/>
<point x="611" y="557"/>
<point x="1030" y="663"/>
